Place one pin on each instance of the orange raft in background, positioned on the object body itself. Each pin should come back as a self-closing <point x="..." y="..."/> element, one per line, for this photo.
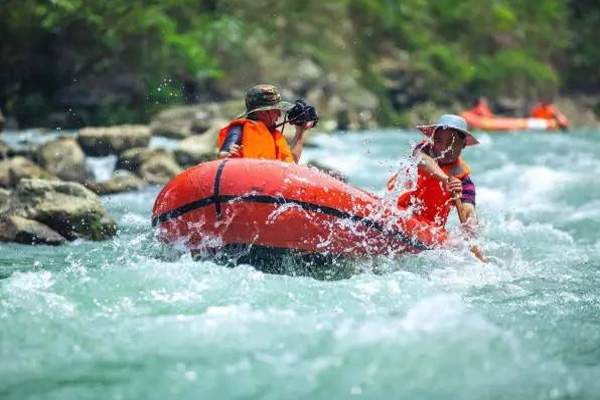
<point x="278" y="206"/>
<point x="508" y="124"/>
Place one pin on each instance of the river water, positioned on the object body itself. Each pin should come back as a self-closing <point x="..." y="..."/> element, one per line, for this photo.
<point x="112" y="320"/>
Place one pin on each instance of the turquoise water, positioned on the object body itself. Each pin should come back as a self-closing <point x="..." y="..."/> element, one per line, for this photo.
<point x="113" y="320"/>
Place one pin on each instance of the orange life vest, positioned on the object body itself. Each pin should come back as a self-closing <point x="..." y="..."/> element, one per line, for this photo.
<point x="430" y="199"/>
<point x="549" y="112"/>
<point x="482" y="109"/>
<point x="258" y="141"/>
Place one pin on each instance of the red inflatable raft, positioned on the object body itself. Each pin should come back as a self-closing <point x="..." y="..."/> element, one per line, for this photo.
<point x="508" y="124"/>
<point x="282" y="206"/>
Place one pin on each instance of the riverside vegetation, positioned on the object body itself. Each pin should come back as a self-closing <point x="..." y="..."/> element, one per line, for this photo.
<point x="73" y="63"/>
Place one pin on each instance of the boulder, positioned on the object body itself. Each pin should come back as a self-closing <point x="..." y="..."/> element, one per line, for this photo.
<point x="174" y="122"/>
<point x="21" y="230"/>
<point x="201" y="122"/>
<point x="132" y="160"/>
<point x="64" y="158"/>
<point x="159" y="169"/>
<point x="66" y="207"/>
<point x="199" y="148"/>
<point x="99" y="142"/>
<point x="122" y="181"/>
<point x="2" y="121"/>
<point x="306" y="74"/>
<point x="152" y="165"/>
<point x="183" y="121"/>
<point x="14" y="169"/>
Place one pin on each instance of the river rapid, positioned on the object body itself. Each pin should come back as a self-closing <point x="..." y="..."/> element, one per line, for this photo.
<point x="119" y="320"/>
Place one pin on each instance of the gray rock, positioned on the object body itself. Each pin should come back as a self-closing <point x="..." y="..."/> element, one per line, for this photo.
<point x="306" y="74"/>
<point x="201" y="122"/>
<point x="153" y="165"/>
<point x="66" y="207"/>
<point x="103" y="141"/>
<point x="183" y="121"/>
<point x="174" y="122"/>
<point x="159" y="170"/>
<point x="199" y="148"/>
<point x="21" y="230"/>
<point x="64" y="158"/>
<point x="122" y="181"/>
<point x="132" y="160"/>
<point x="14" y="169"/>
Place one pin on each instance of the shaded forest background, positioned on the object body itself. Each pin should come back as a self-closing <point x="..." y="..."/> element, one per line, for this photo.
<point x="100" y="62"/>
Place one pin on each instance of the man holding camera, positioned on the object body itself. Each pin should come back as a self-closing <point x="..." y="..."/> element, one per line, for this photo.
<point x="254" y="134"/>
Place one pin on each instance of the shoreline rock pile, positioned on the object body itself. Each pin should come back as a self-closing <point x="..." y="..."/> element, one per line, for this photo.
<point x="52" y="212"/>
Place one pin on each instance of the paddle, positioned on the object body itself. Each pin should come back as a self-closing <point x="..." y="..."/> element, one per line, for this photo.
<point x="463" y="218"/>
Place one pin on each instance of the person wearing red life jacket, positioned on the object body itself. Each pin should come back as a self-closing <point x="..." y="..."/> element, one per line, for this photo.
<point x="482" y="108"/>
<point x="254" y="134"/>
<point x="546" y="110"/>
<point x="442" y="175"/>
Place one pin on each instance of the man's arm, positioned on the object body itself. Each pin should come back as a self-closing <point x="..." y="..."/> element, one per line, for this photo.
<point x="297" y="144"/>
<point x="232" y="144"/>
<point x="468" y="204"/>
<point x="429" y="165"/>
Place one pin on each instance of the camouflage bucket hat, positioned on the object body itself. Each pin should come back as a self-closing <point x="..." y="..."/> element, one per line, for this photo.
<point x="264" y="97"/>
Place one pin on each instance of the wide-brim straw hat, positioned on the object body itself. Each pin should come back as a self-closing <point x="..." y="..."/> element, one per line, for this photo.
<point x="263" y="98"/>
<point x="450" y="121"/>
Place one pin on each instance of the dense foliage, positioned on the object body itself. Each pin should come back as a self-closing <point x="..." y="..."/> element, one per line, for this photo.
<point x="111" y="61"/>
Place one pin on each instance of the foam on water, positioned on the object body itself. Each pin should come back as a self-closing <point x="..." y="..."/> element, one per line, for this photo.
<point x="124" y="319"/>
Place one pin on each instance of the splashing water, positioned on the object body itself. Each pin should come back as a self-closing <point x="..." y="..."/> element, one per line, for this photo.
<point x="126" y="319"/>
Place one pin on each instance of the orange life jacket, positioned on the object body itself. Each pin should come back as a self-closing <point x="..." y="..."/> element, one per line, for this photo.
<point x="430" y="199"/>
<point x="549" y="112"/>
<point x="482" y="109"/>
<point x="258" y="141"/>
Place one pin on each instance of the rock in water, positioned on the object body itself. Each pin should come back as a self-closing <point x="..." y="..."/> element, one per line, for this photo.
<point x="198" y="148"/>
<point x="21" y="230"/>
<point x="14" y="169"/>
<point x="122" y="181"/>
<point x="99" y="142"/>
<point x="159" y="170"/>
<point x="64" y="158"/>
<point x="66" y="207"/>
<point x="152" y="165"/>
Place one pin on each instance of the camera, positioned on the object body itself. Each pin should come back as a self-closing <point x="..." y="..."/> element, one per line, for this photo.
<point x="302" y="113"/>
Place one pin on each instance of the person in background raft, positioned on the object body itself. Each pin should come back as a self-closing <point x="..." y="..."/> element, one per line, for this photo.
<point x="254" y="134"/>
<point x="442" y="175"/>
<point x="547" y="110"/>
<point x="482" y="108"/>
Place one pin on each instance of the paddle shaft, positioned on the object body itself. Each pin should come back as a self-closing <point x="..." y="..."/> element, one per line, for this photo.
<point x="463" y="218"/>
